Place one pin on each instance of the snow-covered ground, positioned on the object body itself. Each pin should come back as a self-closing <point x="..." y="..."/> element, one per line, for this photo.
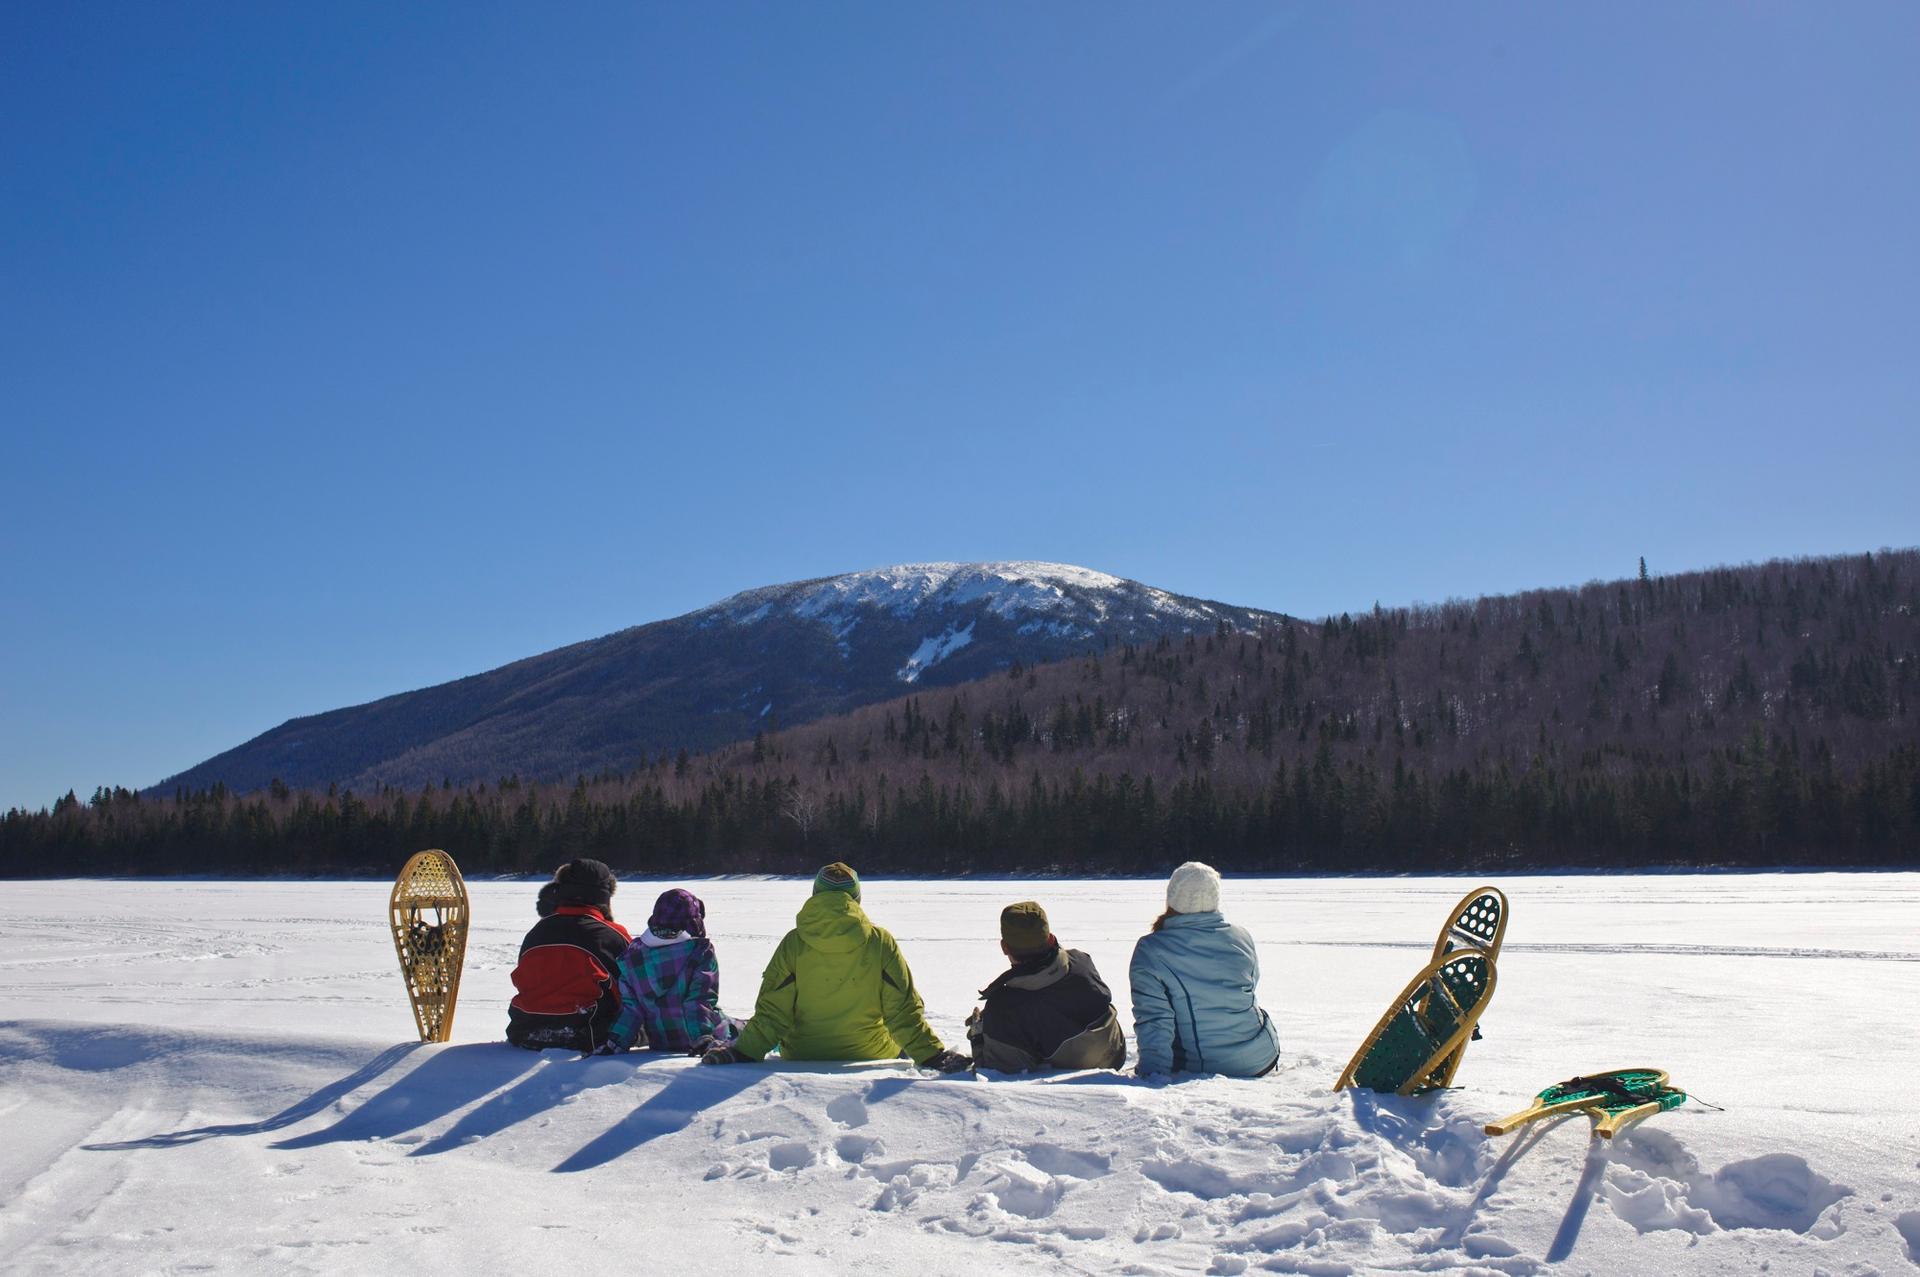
<point x="218" y="1075"/>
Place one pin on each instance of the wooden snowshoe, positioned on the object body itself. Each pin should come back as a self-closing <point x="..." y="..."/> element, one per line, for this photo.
<point x="1425" y="1027"/>
<point x="1479" y="921"/>
<point x="429" y="914"/>
<point x="1613" y="1100"/>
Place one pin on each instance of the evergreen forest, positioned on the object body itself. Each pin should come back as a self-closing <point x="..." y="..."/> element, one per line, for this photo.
<point x="1755" y="716"/>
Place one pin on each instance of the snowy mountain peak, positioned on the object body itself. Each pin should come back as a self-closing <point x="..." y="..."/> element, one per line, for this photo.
<point x="968" y="618"/>
<point x="1008" y="589"/>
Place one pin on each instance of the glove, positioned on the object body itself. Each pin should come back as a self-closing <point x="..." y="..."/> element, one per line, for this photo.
<point x="722" y="1055"/>
<point x="948" y="1062"/>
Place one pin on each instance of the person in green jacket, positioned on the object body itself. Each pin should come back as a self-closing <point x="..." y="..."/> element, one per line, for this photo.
<point x="838" y="989"/>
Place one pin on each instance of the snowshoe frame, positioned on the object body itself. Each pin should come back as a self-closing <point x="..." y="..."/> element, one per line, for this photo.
<point x="429" y="915"/>
<point x="1426" y="1025"/>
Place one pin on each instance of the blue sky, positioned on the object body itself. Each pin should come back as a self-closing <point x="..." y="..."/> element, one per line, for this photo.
<point x="347" y="349"/>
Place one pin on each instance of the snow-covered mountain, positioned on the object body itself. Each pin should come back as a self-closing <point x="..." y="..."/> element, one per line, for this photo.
<point x="1054" y="600"/>
<point x="779" y="654"/>
<point x="1008" y="589"/>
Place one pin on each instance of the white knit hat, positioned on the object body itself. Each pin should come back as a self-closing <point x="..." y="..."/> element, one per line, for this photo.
<point x="1194" y="888"/>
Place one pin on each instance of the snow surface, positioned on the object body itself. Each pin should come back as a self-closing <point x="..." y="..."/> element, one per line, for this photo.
<point x="213" y="1075"/>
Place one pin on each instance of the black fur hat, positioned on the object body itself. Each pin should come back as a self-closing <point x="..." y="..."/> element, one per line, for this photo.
<point x="544" y="904"/>
<point x="584" y="882"/>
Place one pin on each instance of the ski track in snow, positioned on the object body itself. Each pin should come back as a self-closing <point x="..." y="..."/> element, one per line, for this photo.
<point x="192" y="1079"/>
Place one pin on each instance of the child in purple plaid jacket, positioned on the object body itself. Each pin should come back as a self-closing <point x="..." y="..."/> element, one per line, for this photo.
<point x="670" y="983"/>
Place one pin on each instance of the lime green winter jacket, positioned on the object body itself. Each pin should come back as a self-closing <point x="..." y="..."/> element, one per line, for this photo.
<point x="838" y="989"/>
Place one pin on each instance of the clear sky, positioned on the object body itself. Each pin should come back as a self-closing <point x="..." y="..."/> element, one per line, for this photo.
<point x="346" y="349"/>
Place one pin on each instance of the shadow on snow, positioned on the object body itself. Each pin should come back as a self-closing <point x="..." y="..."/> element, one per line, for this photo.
<point x="672" y="1108"/>
<point x="286" y="1117"/>
<point x="452" y="1078"/>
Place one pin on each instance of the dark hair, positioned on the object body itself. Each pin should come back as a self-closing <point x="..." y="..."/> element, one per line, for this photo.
<point x="1161" y="921"/>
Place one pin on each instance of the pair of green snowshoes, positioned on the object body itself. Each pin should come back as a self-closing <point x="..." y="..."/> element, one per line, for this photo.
<point x="1612" y="1100"/>
<point x="1417" y="1045"/>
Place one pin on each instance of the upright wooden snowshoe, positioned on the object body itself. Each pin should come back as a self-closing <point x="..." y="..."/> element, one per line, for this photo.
<point x="1613" y="1100"/>
<point x="1479" y="921"/>
<point x="1428" y="1024"/>
<point x="429" y="916"/>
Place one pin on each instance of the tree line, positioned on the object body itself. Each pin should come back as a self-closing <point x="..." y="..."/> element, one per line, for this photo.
<point x="1753" y="716"/>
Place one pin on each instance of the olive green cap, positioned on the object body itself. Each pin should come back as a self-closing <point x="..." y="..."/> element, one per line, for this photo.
<point x="1024" y="927"/>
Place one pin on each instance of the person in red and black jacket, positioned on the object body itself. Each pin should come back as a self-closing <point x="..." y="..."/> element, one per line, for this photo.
<point x="567" y="995"/>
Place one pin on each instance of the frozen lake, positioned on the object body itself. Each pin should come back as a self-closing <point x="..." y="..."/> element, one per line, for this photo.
<point x="268" y="1010"/>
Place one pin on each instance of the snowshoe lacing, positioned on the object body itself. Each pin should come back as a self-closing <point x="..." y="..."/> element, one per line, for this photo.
<point x="1614" y="1088"/>
<point x="427" y="941"/>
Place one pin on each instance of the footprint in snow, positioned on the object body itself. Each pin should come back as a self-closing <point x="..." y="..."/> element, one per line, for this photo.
<point x="1055" y="1160"/>
<point x="855" y="1148"/>
<point x="790" y="1157"/>
<point x="1908" y="1226"/>
<point x="848" y="1110"/>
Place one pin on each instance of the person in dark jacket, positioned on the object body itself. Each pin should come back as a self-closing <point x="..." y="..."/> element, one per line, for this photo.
<point x="566" y="994"/>
<point x="1049" y="1010"/>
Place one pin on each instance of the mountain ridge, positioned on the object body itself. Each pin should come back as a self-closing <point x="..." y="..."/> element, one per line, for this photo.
<point x="773" y="655"/>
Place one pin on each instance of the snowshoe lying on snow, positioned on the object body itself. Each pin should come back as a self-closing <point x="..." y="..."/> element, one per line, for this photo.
<point x="1613" y="1100"/>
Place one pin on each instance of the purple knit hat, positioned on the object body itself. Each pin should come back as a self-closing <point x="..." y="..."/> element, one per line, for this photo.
<point x="679" y="910"/>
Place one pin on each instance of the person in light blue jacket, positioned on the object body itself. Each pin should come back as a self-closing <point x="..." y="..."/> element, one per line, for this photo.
<point x="1193" y="980"/>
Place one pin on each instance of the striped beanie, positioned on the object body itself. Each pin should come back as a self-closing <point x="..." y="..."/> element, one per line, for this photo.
<point x="837" y="877"/>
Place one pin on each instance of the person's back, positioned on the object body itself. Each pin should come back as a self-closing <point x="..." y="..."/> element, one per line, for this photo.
<point x="1049" y="1009"/>
<point x="1195" y="979"/>
<point x="669" y="982"/>
<point x="837" y="988"/>
<point x="564" y="985"/>
<point x="845" y="980"/>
